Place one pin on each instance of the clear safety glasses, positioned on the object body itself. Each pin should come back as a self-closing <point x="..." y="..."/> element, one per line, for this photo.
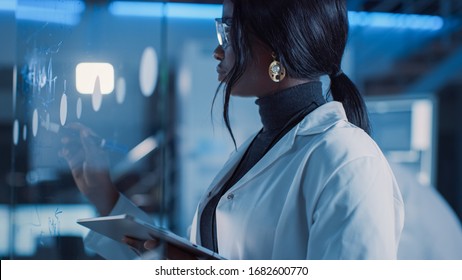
<point x="223" y="28"/>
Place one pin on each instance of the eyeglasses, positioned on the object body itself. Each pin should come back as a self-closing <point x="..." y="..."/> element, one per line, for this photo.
<point x="223" y="27"/>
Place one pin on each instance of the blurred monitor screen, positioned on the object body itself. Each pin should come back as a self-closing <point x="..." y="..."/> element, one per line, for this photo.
<point x="392" y="130"/>
<point x="402" y="124"/>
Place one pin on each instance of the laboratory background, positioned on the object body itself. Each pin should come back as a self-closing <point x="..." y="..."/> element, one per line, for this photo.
<point x="141" y="75"/>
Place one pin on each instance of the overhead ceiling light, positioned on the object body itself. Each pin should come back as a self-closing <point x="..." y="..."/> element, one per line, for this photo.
<point x="8" y="5"/>
<point x="172" y="10"/>
<point x="61" y="12"/>
<point x="393" y="20"/>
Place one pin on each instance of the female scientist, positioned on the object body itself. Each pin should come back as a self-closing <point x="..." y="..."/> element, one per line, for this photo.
<point x="311" y="184"/>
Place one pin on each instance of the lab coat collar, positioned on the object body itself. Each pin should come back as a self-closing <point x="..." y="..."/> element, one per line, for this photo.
<point x="318" y="121"/>
<point x="322" y="119"/>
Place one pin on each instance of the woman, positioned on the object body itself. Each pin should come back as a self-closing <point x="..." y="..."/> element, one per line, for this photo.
<point x="311" y="184"/>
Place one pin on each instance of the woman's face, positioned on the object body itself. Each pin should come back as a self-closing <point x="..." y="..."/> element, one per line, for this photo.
<point x="255" y="81"/>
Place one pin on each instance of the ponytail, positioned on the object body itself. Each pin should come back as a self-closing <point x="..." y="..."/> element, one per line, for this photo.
<point x="345" y="91"/>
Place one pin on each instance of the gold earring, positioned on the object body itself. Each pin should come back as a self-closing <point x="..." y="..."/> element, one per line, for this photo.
<point x="276" y="71"/>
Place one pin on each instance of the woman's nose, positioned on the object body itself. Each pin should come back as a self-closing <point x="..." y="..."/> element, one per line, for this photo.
<point x="219" y="53"/>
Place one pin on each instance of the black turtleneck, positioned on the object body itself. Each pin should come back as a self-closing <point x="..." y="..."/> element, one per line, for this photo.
<point x="279" y="113"/>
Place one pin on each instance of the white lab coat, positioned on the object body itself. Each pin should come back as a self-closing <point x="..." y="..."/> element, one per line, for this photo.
<point x="324" y="191"/>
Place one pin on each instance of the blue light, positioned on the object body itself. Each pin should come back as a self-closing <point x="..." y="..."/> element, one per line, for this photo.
<point x="137" y="9"/>
<point x="173" y="10"/>
<point x="61" y="12"/>
<point x="8" y="5"/>
<point x="201" y="11"/>
<point x="68" y="12"/>
<point x="399" y="21"/>
<point x="211" y="11"/>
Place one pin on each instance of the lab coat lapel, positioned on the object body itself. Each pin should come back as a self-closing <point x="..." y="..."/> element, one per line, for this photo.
<point x="278" y="150"/>
<point x="229" y="167"/>
<point x="318" y="121"/>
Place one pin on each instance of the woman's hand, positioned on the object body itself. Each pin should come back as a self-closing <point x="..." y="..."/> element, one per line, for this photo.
<point x="171" y="252"/>
<point x="89" y="166"/>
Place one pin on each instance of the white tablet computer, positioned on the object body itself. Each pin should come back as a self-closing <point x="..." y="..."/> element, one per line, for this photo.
<point x="119" y="226"/>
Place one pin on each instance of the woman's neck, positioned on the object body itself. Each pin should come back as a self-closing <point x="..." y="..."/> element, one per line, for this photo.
<point x="278" y="108"/>
<point x="282" y="85"/>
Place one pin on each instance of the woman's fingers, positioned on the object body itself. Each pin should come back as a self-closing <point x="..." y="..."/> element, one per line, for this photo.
<point x="151" y="244"/>
<point x="136" y="244"/>
<point x="172" y="252"/>
<point x="141" y="245"/>
<point x="80" y="149"/>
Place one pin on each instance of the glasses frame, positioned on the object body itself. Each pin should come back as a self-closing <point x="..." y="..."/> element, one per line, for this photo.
<point x="223" y="27"/>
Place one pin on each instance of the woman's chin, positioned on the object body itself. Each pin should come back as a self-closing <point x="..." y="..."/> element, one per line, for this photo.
<point x="221" y="77"/>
